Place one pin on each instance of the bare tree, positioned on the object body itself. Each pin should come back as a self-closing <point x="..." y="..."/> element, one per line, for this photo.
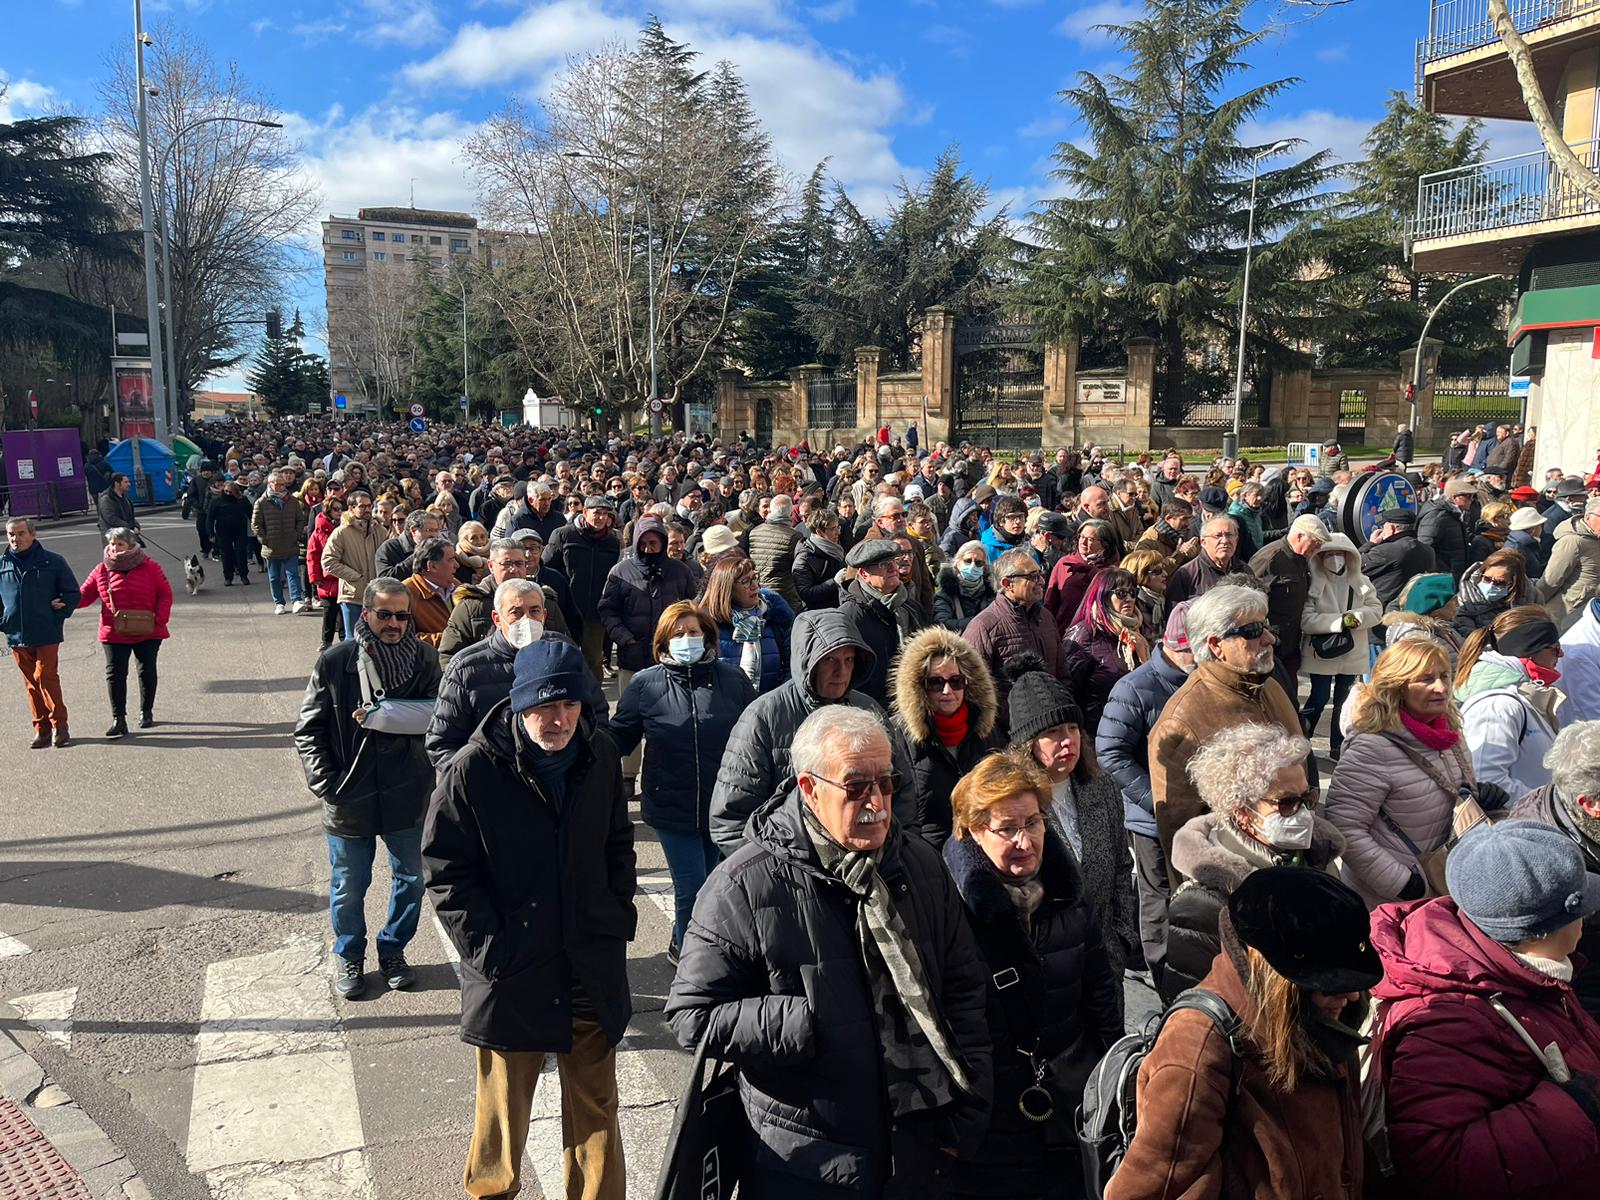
<point x="633" y="161"/>
<point x="237" y="209"/>
<point x="377" y="333"/>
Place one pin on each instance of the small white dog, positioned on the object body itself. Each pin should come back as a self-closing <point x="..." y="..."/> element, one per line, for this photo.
<point x="193" y="573"/>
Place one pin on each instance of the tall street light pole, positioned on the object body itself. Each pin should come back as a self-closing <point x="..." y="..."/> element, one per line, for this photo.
<point x="1416" y="363"/>
<point x="650" y="271"/>
<point x="171" y="309"/>
<point x="158" y="383"/>
<point x="465" y="394"/>
<point x="1230" y="443"/>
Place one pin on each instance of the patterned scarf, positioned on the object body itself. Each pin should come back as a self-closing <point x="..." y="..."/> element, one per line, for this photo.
<point x="397" y="664"/>
<point x="126" y="561"/>
<point x="922" y="1070"/>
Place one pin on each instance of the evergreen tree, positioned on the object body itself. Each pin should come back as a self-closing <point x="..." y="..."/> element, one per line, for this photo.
<point x="286" y="378"/>
<point x="771" y="335"/>
<point x="52" y="196"/>
<point x="1149" y="239"/>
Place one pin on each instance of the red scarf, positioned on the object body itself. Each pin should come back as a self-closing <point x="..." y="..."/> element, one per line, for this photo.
<point x="1435" y="734"/>
<point x="1544" y="675"/>
<point x="951" y="730"/>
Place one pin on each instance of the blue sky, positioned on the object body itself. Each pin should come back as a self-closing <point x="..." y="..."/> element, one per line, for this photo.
<point x="381" y="92"/>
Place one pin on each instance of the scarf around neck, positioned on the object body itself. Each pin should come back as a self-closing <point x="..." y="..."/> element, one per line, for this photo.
<point x="397" y="664"/>
<point x="126" y="561"/>
<point x="549" y="770"/>
<point x="951" y="730"/>
<point x="922" y="1070"/>
<point x="1435" y="734"/>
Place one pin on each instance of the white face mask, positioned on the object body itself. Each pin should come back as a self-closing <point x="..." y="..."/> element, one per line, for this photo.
<point x="1288" y="833"/>
<point x="690" y="648"/>
<point x="525" y="632"/>
<point x="1336" y="564"/>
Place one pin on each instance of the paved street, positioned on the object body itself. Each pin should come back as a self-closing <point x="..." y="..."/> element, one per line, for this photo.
<point x="162" y="923"/>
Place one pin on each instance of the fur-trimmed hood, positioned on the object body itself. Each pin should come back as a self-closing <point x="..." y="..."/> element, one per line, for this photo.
<point x="911" y="701"/>
<point x="1196" y="854"/>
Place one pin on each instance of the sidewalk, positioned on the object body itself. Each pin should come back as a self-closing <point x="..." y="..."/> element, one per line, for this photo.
<point x="50" y="1149"/>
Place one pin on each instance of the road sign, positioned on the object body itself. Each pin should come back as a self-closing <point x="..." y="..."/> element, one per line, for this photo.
<point x="1521" y="389"/>
<point x="463" y="404"/>
<point x="655" y="404"/>
<point x="418" y="410"/>
<point x="418" y="425"/>
<point x="339" y="401"/>
<point x="33" y="404"/>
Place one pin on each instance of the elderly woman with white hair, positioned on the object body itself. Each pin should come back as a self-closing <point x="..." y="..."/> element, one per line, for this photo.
<point x="1252" y="779"/>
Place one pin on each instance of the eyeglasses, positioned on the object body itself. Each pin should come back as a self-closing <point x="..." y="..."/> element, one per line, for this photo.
<point x="857" y="790"/>
<point x="1032" y="830"/>
<point x="1219" y="537"/>
<point x="1251" y="630"/>
<point x="1125" y="593"/>
<point x="1291" y="804"/>
<point x="1024" y="575"/>
<point x="947" y="683"/>
<point x="384" y="614"/>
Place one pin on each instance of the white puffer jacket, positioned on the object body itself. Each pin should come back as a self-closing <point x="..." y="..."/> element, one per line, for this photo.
<point x="1330" y="597"/>
<point x="1509" y="723"/>
<point x="1580" y="666"/>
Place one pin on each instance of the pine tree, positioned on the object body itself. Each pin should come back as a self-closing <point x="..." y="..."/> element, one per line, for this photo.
<point x="286" y="378"/>
<point x="1149" y="239"/>
<point x="51" y="195"/>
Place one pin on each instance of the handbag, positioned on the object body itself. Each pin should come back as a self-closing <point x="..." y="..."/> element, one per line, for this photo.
<point x="710" y="1139"/>
<point x="1466" y="814"/>
<point x="1338" y="643"/>
<point x="130" y="622"/>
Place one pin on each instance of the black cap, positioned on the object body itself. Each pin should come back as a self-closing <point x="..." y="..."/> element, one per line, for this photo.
<point x="1056" y="523"/>
<point x="1214" y="499"/>
<point x="1570" y="487"/>
<point x="1311" y="928"/>
<point x="1038" y="700"/>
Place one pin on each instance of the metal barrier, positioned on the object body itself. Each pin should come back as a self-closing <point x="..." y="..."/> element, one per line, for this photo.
<point x="1456" y="26"/>
<point x="1499" y="194"/>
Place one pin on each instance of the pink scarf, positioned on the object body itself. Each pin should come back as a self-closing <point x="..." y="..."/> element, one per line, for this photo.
<point x="1435" y="734"/>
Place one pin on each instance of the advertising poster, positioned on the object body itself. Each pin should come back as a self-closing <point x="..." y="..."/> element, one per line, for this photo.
<point x="136" y="413"/>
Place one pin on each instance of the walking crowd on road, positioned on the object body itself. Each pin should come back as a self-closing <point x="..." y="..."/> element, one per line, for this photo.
<point x="940" y="746"/>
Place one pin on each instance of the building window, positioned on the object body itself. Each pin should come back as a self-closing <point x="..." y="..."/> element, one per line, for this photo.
<point x="399" y="237"/>
<point x="458" y="245"/>
<point x="399" y="257"/>
<point x="350" y="234"/>
<point x="497" y="261"/>
<point x="433" y="241"/>
<point x="379" y="256"/>
<point x="377" y="235"/>
<point x="349" y="256"/>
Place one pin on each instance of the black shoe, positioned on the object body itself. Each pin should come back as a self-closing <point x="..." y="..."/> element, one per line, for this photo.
<point x="119" y="728"/>
<point x="41" y="740"/>
<point x="244" y="581"/>
<point x="227" y="583"/>
<point x="350" y="979"/>
<point x="397" y="972"/>
<point x="672" y="951"/>
<point x="146" y="720"/>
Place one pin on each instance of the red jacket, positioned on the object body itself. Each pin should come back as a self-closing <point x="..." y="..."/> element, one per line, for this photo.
<point x="1472" y="1114"/>
<point x="324" y="584"/>
<point x="144" y="587"/>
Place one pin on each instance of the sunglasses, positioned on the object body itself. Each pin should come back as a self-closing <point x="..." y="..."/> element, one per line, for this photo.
<point x="1025" y="575"/>
<point x="950" y="683"/>
<point x="384" y="614"/>
<point x="857" y="790"/>
<point x="1125" y="593"/>
<point x="1251" y="630"/>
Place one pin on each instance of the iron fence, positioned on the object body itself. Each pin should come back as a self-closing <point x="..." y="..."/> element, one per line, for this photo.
<point x="1199" y="412"/>
<point x="1501" y="193"/>
<point x="1456" y="26"/>
<point x="1352" y="415"/>
<point x="831" y="402"/>
<point x="1465" y="403"/>
<point x="1000" y="398"/>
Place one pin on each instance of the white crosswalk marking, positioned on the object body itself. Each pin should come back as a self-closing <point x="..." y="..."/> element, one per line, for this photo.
<point x="50" y="1013"/>
<point x="274" y="1113"/>
<point x="11" y="947"/>
<point x="657" y="885"/>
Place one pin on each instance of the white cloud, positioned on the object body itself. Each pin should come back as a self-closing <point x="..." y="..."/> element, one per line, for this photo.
<point x="23" y="98"/>
<point x="955" y="39"/>
<point x="1313" y="130"/>
<point x="1333" y="54"/>
<point x="526" y="48"/>
<point x="1081" y="24"/>
<point x="1046" y="126"/>
<point x="837" y="10"/>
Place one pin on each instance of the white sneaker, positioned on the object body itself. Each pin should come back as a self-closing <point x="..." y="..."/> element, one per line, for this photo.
<point x="279" y="611"/>
<point x="299" y="607"/>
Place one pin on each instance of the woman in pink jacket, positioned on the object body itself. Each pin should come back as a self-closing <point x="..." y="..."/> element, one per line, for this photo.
<point x="135" y="603"/>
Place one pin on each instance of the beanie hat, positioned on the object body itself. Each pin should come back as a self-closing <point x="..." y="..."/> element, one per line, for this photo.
<point x="546" y="672"/>
<point x="1520" y="879"/>
<point x="1038" y="700"/>
<point x="1429" y="593"/>
<point x="1177" y="635"/>
<point x="1310" y="927"/>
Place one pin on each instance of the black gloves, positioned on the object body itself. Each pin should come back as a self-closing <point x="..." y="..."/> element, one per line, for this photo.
<point x="1415" y="889"/>
<point x="1492" y="797"/>
<point x="1585" y="1089"/>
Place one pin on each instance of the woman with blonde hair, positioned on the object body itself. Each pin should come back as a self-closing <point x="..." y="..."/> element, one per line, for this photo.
<point x="1401" y="775"/>
<point x="1151" y="569"/>
<point x="472" y="552"/>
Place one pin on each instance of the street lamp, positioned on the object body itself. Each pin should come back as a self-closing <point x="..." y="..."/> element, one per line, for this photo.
<point x="152" y="302"/>
<point x="1416" y="363"/>
<point x="1230" y="446"/>
<point x="650" y="270"/>
<point x="465" y="394"/>
<point x="166" y="248"/>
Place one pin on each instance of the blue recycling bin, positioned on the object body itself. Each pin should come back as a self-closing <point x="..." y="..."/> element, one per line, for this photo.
<point x="156" y="480"/>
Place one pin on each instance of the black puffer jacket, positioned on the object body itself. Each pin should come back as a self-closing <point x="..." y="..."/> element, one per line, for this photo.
<point x="470" y="620"/>
<point x="1441" y="526"/>
<point x="635" y="595"/>
<point x="369" y="783"/>
<point x="586" y="560"/>
<point x="477" y="679"/>
<point x="816" y="562"/>
<point x="954" y="608"/>
<point x="536" y="897"/>
<point x="684" y="716"/>
<point x="772" y="974"/>
<point x="1066" y="1000"/>
<point x="228" y="518"/>
<point x="755" y="766"/>
<point x="883" y="630"/>
<point x="394" y="557"/>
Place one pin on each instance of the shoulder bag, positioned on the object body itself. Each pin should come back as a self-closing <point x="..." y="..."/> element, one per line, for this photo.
<point x="1466" y="814"/>
<point x="130" y="622"/>
<point x="1338" y="643"/>
<point x="711" y="1137"/>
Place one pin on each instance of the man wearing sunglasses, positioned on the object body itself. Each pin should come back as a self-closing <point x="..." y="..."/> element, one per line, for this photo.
<point x="1234" y="648"/>
<point x="830" y="961"/>
<point x="372" y="784"/>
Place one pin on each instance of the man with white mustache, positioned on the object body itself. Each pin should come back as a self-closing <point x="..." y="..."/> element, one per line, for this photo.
<point x="828" y="959"/>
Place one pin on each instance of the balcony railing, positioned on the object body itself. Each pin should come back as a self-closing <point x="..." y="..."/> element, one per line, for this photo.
<point x="1456" y="26"/>
<point x="1500" y="194"/>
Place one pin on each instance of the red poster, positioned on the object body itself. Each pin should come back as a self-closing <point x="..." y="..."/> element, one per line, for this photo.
<point x="136" y="414"/>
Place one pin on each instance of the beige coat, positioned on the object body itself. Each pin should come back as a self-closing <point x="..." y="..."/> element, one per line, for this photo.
<point x="1572" y="576"/>
<point x="351" y="557"/>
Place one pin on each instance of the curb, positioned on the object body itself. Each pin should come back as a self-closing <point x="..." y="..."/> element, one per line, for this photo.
<point x="105" y="1170"/>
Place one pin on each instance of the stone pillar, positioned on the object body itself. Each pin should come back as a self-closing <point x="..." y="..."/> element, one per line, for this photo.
<point x="1291" y="405"/>
<point x="1060" y="395"/>
<point x="729" y="415"/>
<point x="1140" y="389"/>
<point x="1425" y="433"/>
<point x="869" y="360"/>
<point x="800" y="387"/>
<point x="939" y="373"/>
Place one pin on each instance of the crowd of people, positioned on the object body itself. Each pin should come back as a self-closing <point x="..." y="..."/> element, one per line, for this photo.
<point x="939" y="745"/>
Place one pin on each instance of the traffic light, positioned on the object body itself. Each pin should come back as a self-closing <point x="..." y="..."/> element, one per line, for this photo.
<point x="1411" y="392"/>
<point x="274" y="324"/>
<point x="599" y="410"/>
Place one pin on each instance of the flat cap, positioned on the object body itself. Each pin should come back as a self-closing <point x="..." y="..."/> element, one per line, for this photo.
<point x="599" y="502"/>
<point x="869" y="552"/>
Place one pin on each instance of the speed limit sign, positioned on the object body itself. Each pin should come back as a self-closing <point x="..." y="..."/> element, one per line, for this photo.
<point x="655" y="404"/>
<point x="418" y="410"/>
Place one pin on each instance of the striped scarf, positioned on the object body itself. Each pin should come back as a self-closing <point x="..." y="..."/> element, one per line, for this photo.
<point x="397" y="664"/>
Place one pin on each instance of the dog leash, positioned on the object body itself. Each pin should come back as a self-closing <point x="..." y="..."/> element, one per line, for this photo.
<point x="148" y="540"/>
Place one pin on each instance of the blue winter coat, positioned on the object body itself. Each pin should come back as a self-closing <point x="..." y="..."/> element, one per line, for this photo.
<point x="684" y="715"/>
<point x="997" y="545"/>
<point x="28" y="583"/>
<point x="1122" y="742"/>
<point x="774" y="642"/>
<point x="1533" y="555"/>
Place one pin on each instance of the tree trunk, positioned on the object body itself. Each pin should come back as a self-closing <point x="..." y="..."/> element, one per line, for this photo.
<point x="1573" y="169"/>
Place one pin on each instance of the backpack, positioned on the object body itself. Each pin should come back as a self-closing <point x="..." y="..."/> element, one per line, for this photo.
<point x="1108" y="1115"/>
